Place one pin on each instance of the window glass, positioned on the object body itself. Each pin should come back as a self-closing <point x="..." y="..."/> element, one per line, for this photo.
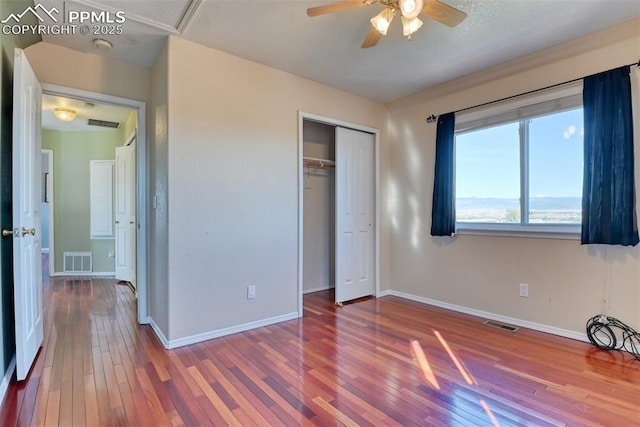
<point x="555" y="168"/>
<point x="533" y="162"/>
<point x="488" y="175"/>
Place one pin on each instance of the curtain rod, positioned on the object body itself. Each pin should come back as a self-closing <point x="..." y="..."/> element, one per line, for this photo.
<point x="432" y="118"/>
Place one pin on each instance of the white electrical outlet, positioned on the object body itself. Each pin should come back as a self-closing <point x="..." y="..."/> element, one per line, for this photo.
<point x="251" y="292"/>
<point x="524" y="290"/>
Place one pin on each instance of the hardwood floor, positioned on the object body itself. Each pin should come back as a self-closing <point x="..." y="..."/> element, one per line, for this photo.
<point x="375" y="362"/>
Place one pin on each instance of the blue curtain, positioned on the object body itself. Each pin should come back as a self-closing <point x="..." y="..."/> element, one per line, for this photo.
<point x="608" y="194"/>
<point x="443" y="211"/>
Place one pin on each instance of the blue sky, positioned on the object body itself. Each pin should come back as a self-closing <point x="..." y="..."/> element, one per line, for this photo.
<point x="488" y="161"/>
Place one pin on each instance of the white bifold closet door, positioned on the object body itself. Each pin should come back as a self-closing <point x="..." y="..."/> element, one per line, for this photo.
<point x="355" y="217"/>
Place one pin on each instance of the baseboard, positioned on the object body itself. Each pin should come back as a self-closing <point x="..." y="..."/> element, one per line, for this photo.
<point x="194" y="339"/>
<point x="156" y="329"/>
<point x="492" y="316"/>
<point x="92" y="274"/>
<point x="317" y="289"/>
<point x="384" y="293"/>
<point x="6" y="380"/>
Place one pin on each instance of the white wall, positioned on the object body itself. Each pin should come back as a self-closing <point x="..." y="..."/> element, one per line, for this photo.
<point x="233" y="129"/>
<point x="158" y="182"/>
<point x="567" y="281"/>
<point x="66" y="67"/>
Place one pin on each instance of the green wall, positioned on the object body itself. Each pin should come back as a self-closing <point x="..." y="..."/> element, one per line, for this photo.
<point x="72" y="152"/>
<point x="7" y="43"/>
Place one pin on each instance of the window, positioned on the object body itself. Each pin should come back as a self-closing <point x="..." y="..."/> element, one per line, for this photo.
<point x="519" y="164"/>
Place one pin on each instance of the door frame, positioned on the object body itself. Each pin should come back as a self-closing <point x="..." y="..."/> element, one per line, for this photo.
<point x="376" y="191"/>
<point x="49" y="153"/>
<point x="141" y="180"/>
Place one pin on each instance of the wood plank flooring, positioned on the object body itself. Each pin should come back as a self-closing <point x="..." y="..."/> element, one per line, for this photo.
<point x="376" y="362"/>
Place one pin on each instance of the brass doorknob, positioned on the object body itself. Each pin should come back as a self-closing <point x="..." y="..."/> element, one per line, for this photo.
<point x="26" y="231"/>
<point x="6" y="233"/>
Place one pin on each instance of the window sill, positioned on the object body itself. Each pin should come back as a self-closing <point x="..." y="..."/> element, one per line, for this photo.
<point x="560" y="232"/>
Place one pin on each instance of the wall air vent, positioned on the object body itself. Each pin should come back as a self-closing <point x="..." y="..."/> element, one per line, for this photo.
<point x="78" y="262"/>
<point x="499" y="325"/>
<point x="103" y="123"/>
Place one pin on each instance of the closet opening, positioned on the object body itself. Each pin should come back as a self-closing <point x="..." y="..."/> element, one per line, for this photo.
<point x="319" y="151"/>
<point x="338" y="232"/>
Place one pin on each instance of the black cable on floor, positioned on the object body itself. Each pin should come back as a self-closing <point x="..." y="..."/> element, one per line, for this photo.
<point x="608" y="333"/>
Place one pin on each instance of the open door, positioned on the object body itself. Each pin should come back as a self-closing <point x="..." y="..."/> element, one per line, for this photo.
<point x="27" y="261"/>
<point x="126" y="213"/>
<point x="355" y="217"/>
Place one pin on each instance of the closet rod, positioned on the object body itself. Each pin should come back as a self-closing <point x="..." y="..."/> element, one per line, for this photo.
<point x="320" y="163"/>
<point x="317" y="164"/>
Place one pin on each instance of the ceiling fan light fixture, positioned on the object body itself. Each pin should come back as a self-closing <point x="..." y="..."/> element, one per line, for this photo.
<point x="64" y="114"/>
<point x="410" y="26"/>
<point x="382" y="20"/>
<point x="410" y="8"/>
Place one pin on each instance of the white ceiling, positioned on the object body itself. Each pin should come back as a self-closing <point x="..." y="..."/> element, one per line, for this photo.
<point x="327" y="49"/>
<point x="84" y="111"/>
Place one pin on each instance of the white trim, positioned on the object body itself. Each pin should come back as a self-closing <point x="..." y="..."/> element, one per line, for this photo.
<point x="51" y="249"/>
<point x="492" y="316"/>
<point x="91" y="274"/>
<point x="129" y="16"/>
<point x="45" y="250"/>
<point x="338" y="123"/>
<point x="520" y="107"/>
<point x="183" y="21"/>
<point x="141" y="180"/>
<point x="6" y="380"/>
<point x="156" y="329"/>
<point x="130" y="138"/>
<point x="384" y="293"/>
<point x="188" y="15"/>
<point x="194" y="339"/>
<point x="537" y="231"/>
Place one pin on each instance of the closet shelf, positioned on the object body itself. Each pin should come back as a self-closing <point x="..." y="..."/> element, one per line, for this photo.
<point x="318" y="163"/>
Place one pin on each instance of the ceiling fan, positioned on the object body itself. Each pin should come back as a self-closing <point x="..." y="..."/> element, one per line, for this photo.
<point x="408" y="9"/>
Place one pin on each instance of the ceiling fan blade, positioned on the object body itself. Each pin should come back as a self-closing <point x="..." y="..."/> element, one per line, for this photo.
<point x="443" y="13"/>
<point x="372" y="38"/>
<point x="334" y="7"/>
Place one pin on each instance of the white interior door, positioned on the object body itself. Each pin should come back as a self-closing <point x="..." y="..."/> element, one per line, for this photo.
<point x="126" y="213"/>
<point x="27" y="260"/>
<point x="354" y="215"/>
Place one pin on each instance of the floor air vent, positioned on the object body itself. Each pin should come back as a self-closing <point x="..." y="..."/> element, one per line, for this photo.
<point x="499" y="325"/>
<point x="78" y="262"/>
<point x="103" y="123"/>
